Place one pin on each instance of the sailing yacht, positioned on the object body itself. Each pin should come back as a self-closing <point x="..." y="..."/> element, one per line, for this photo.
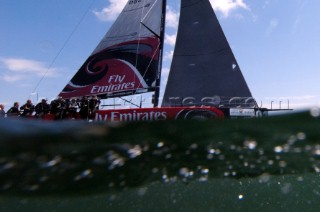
<point x="205" y="80"/>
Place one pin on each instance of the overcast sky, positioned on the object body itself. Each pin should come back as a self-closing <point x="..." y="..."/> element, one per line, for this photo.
<point x="276" y="43"/>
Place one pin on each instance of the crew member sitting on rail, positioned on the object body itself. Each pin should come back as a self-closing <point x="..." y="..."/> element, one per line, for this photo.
<point x="42" y="108"/>
<point x="58" y="108"/>
<point x="14" y="110"/>
<point x="27" y="109"/>
<point x="2" y="112"/>
<point x="72" y="108"/>
<point x="84" y="108"/>
<point x="94" y="103"/>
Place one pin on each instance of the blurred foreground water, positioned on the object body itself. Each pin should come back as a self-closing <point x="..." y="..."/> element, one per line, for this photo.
<point x="222" y="165"/>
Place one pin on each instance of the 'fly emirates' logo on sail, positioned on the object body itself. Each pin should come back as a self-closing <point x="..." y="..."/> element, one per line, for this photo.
<point x="115" y="83"/>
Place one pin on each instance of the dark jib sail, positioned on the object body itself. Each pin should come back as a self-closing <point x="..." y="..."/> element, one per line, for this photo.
<point x="204" y="70"/>
<point x="126" y="61"/>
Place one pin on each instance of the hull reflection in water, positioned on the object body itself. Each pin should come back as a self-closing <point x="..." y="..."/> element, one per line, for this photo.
<point x="133" y="161"/>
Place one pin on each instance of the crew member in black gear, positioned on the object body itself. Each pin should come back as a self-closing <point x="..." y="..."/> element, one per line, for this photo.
<point x="14" y="110"/>
<point x="93" y="105"/>
<point x="27" y="109"/>
<point x="58" y="108"/>
<point x="84" y="108"/>
<point x="2" y="112"/>
<point x="42" y="108"/>
<point x="72" y="108"/>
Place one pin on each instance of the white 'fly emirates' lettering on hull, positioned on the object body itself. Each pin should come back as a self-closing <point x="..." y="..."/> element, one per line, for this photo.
<point x="158" y="114"/>
<point x="132" y="116"/>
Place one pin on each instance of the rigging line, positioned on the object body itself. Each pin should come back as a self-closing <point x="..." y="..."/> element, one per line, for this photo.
<point x="129" y="101"/>
<point x="158" y="36"/>
<point x="153" y="56"/>
<point x="147" y="13"/>
<point x="149" y="64"/>
<point x="155" y="34"/>
<point x="64" y="45"/>
<point x="139" y="34"/>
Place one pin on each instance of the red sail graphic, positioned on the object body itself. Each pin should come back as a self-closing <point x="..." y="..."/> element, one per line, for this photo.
<point x="116" y="70"/>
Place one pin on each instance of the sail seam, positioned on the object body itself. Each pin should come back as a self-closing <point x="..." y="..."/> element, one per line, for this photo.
<point x="210" y="53"/>
<point x="190" y="5"/>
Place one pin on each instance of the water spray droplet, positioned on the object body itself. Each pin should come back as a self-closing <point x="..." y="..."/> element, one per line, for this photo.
<point x="315" y="112"/>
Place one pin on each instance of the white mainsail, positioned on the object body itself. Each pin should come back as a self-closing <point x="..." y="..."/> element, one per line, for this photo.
<point x="126" y="61"/>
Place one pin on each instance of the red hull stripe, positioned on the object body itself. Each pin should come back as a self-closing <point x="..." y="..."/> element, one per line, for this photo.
<point x="157" y="114"/>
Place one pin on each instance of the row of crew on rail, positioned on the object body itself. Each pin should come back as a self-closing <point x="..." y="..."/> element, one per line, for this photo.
<point x="58" y="108"/>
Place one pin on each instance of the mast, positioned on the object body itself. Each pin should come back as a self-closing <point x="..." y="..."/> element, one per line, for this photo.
<point x="158" y="75"/>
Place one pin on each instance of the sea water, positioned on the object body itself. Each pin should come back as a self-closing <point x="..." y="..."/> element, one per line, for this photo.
<point x="268" y="164"/>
